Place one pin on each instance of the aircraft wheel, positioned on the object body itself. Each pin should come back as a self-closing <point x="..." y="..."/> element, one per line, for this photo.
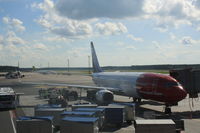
<point x="134" y="100"/>
<point x="137" y="100"/>
<point x="168" y="110"/>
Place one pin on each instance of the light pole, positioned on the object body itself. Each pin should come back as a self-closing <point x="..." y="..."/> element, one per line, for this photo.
<point x="89" y="64"/>
<point x="68" y="65"/>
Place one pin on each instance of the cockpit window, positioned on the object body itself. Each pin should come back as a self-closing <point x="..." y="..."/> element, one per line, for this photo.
<point x="172" y="84"/>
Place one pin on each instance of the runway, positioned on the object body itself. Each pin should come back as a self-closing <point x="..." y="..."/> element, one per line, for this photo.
<point x="192" y="123"/>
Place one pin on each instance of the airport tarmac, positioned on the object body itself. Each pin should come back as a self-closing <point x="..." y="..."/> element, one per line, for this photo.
<point x="191" y="115"/>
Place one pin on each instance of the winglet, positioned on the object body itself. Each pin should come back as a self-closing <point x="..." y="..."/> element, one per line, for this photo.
<point x="95" y="62"/>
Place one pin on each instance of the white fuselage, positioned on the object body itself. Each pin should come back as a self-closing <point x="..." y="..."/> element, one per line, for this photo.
<point x="125" y="81"/>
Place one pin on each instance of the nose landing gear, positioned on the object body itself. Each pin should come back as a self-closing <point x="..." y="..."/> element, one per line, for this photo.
<point x="168" y="109"/>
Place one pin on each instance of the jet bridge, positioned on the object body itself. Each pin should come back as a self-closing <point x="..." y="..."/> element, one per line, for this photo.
<point x="190" y="80"/>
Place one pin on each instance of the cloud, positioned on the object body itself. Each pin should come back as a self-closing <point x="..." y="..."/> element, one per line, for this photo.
<point x="1" y="40"/>
<point x="62" y="26"/>
<point x="88" y="9"/>
<point x="56" y="39"/>
<point x="1" y="47"/>
<point x="40" y="46"/>
<point x="137" y="39"/>
<point x="171" y="13"/>
<point x="109" y="28"/>
<point x="12" y="39"/>
<point x="172" y="36"/>
<point x="14" y="23"/>
<point x="130" y="47"/>
<point x="166" y="14"/>
<point x="124" y="46"/>
<point x="6" y="20"/>
<point x="187" y="40"/>
<point x="72" y="29"/>
<point x="77" y="52"/>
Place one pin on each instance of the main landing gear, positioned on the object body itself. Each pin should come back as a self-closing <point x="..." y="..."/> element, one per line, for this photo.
<point x="137" y="100"/>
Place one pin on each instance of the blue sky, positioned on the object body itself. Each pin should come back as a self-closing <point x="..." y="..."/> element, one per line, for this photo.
<point x="125" y="32"/>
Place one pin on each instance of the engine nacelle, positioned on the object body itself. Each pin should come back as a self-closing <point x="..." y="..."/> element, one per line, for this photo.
<point x="104" y="97"/>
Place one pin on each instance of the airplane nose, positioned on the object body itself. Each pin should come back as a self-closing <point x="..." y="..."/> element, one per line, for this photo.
<point x="181" y="93"/>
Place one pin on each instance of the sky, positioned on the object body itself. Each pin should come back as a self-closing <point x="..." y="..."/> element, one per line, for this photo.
<point x="124" y="32"/>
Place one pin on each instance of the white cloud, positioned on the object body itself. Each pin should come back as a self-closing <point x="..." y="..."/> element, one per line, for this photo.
<point x="124" y="46"/>
<point x="73" y="29"/>
<point x="62" y="26"/>
<point x="18" y="24"/>
<point x="172" y="36"/>
<point x="77" y="52"/>
<point x="198" y="28"/>
<point x="87" y="9"/>
<point x="6" y="20"/>
<point x="40" y="46"/>
<point x="44" y="22"/>
<point x="166" y="14"/>
<point x="137" y="39"/>
<point x="109" y="28"/>
<point x="12" y="39"/>
<point x="57" y="39"/>
<point x="171" y="13"/>
<point x="14" y="23"/>
<point x="130" y="47"/>
<point x="1" y="40"/>
<point x="1" y="47"/>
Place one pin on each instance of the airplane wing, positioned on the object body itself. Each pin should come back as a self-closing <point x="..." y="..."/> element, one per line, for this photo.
<point x="85" y="87"/>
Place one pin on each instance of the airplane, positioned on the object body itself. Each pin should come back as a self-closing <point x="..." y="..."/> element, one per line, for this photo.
<point x="138" y="85"/>
<point x="14" y="75"/>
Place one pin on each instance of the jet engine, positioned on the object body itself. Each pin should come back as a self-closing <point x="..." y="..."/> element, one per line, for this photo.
<point x="104" y="97"/>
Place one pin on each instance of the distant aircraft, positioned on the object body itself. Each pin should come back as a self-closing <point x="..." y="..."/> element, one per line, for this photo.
<point x="14" y="75"/>
<point x="138" y="85"/>
<point x="46" y="72"/>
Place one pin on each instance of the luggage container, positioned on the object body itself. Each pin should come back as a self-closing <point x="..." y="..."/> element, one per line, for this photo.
<point x="155" y="126"/>
<point x="75" y="106"/>
<point x="48" y="106"/>
<point x="34" y="124"/>
<point x="149" y="115"/>
<point x="129" y="110"/>
<point x="79" y="125"/>
<point x="91" y="94"/>
<point x="100" y="113"/>
<point x="43" y="93"/>
<point x="55" y="112"/>
<point x="114" y="115"/>
<point x="77" y="114"/>
<point x="179" y="125"/>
